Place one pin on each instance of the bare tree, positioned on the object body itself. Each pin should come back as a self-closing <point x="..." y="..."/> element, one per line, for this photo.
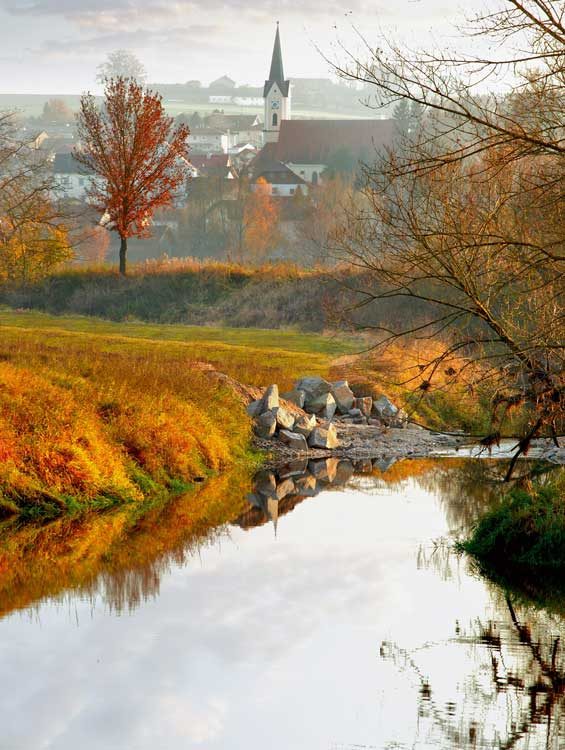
<point x="465" y="215"/>
<point x="121" y="64"/>
<point x="33" y="232"/>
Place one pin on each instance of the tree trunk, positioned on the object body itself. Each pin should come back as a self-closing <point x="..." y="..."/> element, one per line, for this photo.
<point x="123" y="253"/>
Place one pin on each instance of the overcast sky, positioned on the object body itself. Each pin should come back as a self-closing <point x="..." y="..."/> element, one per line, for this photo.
<point x="54" y="46"/>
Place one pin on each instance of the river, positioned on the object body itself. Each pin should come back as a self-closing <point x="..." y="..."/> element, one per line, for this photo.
<point x="335" y="617"/>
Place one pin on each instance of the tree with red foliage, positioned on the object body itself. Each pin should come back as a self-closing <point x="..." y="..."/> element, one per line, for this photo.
<point x="138" y="157"/>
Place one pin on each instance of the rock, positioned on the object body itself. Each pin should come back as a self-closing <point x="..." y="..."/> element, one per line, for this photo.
<point x="383" y="408"/>
<point x="364" y="404"/>
<point x="343" y="395"/>
<point x="400" y="419"/>
<point x="360" y="420"/>
<point x="266" y="425"/>
<point x="355" y="413"/>
<point x="296" y="397"/>
<point x="255" y="500"/>
<point x="285" y="420"/>
<point x="295" y="468"/>
<point x="265" y="483"/>
<point x="313" y="387"/>
<point x="306" y="485"/>
<point x="324" y="406"/>
<point x="322" y="437"/>
<point x="383" y="464"/>
<point x="344" y="472"/>
<point x="324" y="469"/>
<point x="284" y="488"/>
<point x="294" y="440"/>
<point x="374" y="422"/>
<point x="271" y="398"/>
<point x="305" y="425"/>
<point x="255" y="408"/>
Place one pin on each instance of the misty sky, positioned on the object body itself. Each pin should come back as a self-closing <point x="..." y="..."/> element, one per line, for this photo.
<point x="54" y="46"/>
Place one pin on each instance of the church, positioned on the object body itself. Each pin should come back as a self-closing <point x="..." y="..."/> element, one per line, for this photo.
<point x="297" y="152"/>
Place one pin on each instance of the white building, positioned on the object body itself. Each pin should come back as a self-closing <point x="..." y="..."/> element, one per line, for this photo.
<point x="211" y="141"/>
<point x="72" y="179"/>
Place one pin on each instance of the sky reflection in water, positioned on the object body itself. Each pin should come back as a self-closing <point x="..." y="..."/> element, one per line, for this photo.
<point x="353" y="627"/>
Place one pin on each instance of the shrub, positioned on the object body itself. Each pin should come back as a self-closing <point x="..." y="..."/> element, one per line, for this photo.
<point x="527" y="529"/>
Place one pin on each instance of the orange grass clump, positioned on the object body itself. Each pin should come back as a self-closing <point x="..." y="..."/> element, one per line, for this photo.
<point x="83" y="423"/>
<point x="52" y="442"/>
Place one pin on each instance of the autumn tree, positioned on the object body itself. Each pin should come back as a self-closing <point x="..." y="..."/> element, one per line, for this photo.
<point x="138" y="156"/>
<point x="121" y="64"/>
<point x="258" y="231"/>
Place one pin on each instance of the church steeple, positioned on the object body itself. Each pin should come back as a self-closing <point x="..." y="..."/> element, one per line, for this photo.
<point x="277" y="70"/>
<point x="276" y="94"/>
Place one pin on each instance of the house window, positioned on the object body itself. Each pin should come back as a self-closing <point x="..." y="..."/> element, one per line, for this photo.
<point x="275" y="119"/>
<point x="314" y="178"/>
<point x="275" y="190"/>
<point x="292" y="191"/>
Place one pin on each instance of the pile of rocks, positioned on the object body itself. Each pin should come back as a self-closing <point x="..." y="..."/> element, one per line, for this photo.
<point x="337" y="400"/>
<point x="312" y="407"/>
<point x="296" y="428"/>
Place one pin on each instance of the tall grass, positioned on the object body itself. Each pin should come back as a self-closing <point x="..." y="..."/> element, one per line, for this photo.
<point x="91" y="419"/>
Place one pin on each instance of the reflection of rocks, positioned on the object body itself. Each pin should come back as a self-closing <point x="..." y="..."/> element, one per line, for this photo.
<point x="279" y="490"/>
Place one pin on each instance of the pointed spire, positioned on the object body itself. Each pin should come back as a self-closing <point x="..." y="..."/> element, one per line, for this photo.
<point x="277" y="71"/>
<point x="276" y="74"/>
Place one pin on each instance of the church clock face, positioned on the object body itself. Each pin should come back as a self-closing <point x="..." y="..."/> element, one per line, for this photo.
<point x="276" y="104"/>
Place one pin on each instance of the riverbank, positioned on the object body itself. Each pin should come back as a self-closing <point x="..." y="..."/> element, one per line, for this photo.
<point x="96" y="414"/>
<point x="93" y="419"/>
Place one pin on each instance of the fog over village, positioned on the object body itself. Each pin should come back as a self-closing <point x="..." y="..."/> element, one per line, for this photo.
<point x="282" y="375"/>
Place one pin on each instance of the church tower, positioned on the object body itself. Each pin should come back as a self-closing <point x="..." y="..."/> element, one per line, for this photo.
<point x="276" y="94"/>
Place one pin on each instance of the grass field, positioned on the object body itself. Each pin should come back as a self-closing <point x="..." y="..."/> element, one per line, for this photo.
<point x="94" y="413"/>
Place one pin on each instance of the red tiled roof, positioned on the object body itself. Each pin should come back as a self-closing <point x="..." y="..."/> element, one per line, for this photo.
<point x="312" y="141"/>
<point x="205" y="161"/>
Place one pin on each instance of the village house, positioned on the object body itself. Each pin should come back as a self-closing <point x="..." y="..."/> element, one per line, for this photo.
<point x="72" y="179"/>
<point x="214" y="165"/>
<point x="211" y="140"/>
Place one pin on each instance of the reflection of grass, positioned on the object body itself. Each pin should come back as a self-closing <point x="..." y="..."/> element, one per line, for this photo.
<point x="102" y="414"/>
<point x="129" y="546"/>
<point x="526" y="531"/>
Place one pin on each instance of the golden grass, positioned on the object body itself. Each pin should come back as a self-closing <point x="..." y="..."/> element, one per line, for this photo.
<point x="455" y="398"/>
<point x="90" y="419"/>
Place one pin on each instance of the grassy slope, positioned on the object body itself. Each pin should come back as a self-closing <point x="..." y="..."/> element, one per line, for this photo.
<point x="95" y="413"/>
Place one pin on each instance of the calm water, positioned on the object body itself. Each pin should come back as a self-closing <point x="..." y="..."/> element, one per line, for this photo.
<point x="328" y="621"/>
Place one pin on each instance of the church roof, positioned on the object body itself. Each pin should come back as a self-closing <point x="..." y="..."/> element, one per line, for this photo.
<point x="276" y="74"/>
<point x="313" y="141"/>
<point x="272" y="170"/>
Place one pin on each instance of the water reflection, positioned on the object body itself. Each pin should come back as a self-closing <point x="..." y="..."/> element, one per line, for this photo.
<point x="511" y="693"/>
<point x="121" y="556"/>
<point x="355" y="626"/>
